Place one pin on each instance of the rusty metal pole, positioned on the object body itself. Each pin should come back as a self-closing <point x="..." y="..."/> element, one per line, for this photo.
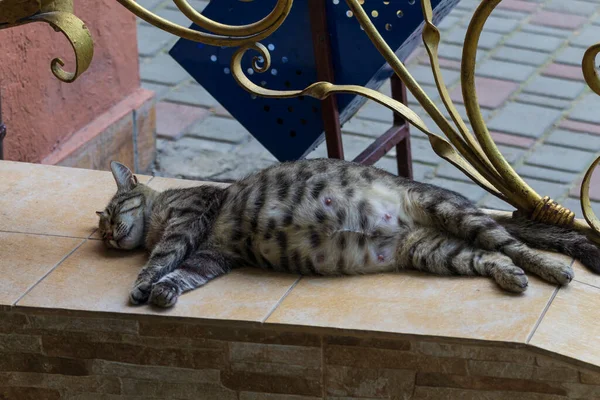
<point x="2" y="130"/>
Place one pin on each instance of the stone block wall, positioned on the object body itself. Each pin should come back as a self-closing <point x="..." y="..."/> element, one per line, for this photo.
<point x="74" y="356"/>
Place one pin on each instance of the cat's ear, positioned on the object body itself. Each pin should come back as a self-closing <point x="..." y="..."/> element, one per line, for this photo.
<point x="123" y="176"/>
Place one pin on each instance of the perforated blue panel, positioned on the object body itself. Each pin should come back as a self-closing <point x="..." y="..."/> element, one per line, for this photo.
<point x="290" y="128"/>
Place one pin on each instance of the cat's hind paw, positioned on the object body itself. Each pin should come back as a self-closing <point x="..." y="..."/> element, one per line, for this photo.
<point x="164" y="294"/>
<point x="140" y="293"/>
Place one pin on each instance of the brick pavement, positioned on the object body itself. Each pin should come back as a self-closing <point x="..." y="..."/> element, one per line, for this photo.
<point x="541" y="114"/>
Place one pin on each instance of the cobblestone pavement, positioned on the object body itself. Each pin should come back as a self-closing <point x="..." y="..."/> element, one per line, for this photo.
<point x="544" y="118"/>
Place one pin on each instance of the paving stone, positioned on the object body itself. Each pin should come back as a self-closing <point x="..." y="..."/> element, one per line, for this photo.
<point x="533" y="41"/>
<point x="365" y="127"/>
<point x="198" y="5"/>
<point x="545" y="30"/>
<point x="420" y="171"/>
<point x="510" y="14"/>
<point x="240" y="168"/>
<point x="594" y="187"/>
<point x="424" y="75"/>
<point x="172" y="120"/>
<point x="493" y="203"/>
<point x="560" y="20"/>
<point x="556" y="191"/>
<point x="570" y="55"/>
<point x="586" y="37"/>
<point x="376" y="112"/>
<point x="175" y="16"/>
<point x="512" y="140"/>
<point x="149" y="4"/>
<point x="431" y="91"/>
<point x="354" y="145"/>
<point x="454" y="52"/>
<point x="491" y="93"/>
<point x="550" y="102"/>
<point x="469" y="190"/>
<point x="448" y="22"/>
<point x="545" y="174"/>
<point x="152" y="40"/>
<point x="444" y="63"/>
<point x="192" y="94"/>
<point x="496" y="24"/>
<point x="572" y="6"/>
<point x="177" y="159"/>
<point x="449" y="171"/>
<point x="200" y="144"/>
<point x="487" y="40"/>
<point x="563" y="71"/>
<point x="587" y="110"/>
<point x="164" y="70"/>
<point x="522" y="56"/>
<point x="580" y="126"/>
<point x="524" y="119"/>
<point x="468" y="5"/>
<point x="219" y="129"/>
<point x="160" y="90"/>
<point x="576" y="140"/>
<point x="462" y="111"/>
<point x="252" y="147"/>
<point x="517" y="5"/>
<point x="554" y="87"/>
<point x="505" y="70"/>
<point x="512" y="154"/>
<point x="561" y="158"/>
<point x="574" y="204"/>
<point x="422" y="151"/>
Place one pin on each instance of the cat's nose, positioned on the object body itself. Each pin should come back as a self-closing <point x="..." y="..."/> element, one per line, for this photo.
<point x="109" y="236"/>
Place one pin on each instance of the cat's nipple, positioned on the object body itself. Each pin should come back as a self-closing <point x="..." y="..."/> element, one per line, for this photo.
<point x="328" y="201"/>
<point x="381" y="258"/>
<point x="387" y="216"/>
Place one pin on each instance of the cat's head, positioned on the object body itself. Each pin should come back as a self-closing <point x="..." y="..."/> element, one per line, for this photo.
<point x="122" y="222"/>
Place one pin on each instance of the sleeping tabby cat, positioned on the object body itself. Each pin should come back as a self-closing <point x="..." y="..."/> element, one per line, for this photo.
<point x="325" y="217"/>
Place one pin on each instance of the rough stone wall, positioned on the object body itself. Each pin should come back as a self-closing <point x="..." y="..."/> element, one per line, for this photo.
<point x="56" y="356"/>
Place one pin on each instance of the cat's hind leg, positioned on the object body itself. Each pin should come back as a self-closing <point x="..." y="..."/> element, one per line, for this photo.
<point x="198" y="269"/>
<point x="457" y="215"/>
<point x="429" y="250"/>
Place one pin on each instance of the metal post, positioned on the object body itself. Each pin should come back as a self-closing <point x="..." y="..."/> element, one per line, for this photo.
<point x="324" y="61"/>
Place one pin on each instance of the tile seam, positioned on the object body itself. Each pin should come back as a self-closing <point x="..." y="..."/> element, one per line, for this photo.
<point x="49" y="272"/>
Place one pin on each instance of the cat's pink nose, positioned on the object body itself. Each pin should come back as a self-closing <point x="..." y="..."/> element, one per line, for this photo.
<point x="109" y="236"/>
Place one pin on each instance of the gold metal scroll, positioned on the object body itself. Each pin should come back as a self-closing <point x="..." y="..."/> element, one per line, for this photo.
<point x="59" y="15"/>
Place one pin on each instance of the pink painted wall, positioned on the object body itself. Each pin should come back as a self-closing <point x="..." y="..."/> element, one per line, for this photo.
<point x="39" y="110"/>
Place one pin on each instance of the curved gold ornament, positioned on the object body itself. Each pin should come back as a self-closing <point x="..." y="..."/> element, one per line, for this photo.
<point x="59" y="15"/>
<point x="590" y="73"/>
<point x="521" y="195"/>
<point x="321" y="90"/>
<point x="223" y="35"/>
<point x="475" y="154"/>
<point x="80" y="38"/>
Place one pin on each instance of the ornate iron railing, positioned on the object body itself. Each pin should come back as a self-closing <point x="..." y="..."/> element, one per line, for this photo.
<point x="474" y="153"/>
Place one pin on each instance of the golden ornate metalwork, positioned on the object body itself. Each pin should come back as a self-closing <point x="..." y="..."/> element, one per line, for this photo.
<point x="59" y="15"/>
<point x="474" y="153"/>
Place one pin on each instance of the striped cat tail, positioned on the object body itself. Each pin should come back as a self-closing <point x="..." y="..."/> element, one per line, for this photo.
<point x="553" y="238"/>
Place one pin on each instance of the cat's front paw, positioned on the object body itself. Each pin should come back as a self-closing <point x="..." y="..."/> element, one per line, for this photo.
<point x="140" y="293"/>
<point x="164" y="294"/>
<point x="512" y="278"/>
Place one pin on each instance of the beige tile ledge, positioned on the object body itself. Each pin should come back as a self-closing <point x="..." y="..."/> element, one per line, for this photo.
<point x="75" y="274"/>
